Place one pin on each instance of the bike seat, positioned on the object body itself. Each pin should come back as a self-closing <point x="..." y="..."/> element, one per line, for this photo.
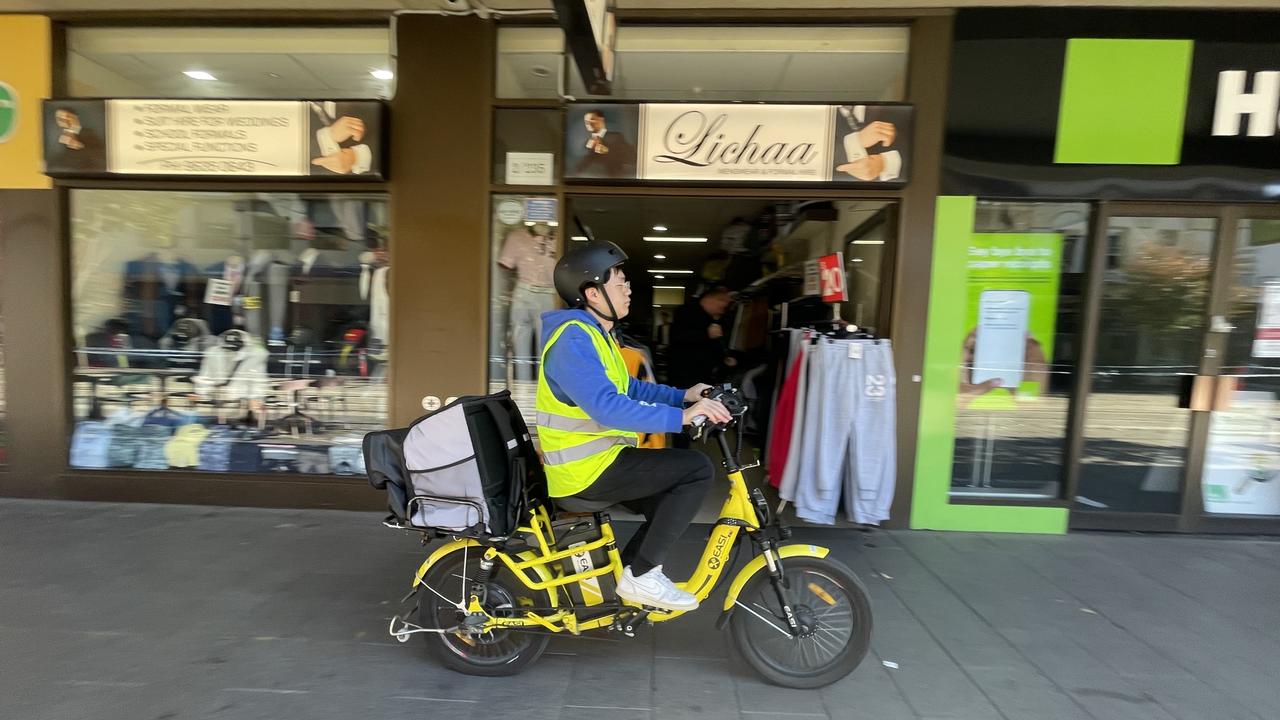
<point x="582" y="505"/>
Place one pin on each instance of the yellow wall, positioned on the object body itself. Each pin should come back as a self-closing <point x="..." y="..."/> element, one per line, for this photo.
<point x="25" y="67"/>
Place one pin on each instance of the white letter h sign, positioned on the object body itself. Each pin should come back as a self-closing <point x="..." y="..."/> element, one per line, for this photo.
<point x="1261" y="105"/>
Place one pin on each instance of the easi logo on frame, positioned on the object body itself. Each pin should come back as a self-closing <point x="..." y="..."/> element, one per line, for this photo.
<point x="1233" y="103"/>
<point x="8" y="111"/>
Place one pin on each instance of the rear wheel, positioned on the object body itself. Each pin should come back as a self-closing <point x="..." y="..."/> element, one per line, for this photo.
<point x="833" y="610"/>
<point x="498" y="652"/>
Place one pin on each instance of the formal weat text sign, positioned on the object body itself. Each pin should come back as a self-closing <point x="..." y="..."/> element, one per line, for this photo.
<point x="259" y="138"/>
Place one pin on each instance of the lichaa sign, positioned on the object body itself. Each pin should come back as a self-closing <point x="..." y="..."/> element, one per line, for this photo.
<point x="740" y="142"/>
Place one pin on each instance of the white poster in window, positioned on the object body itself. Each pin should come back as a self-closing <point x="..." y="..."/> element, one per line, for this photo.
<point x="1266" y="340"/>
<point x="526" y="168"/>
<point x="1242" y="463"/>
<point x="218" y="292"/>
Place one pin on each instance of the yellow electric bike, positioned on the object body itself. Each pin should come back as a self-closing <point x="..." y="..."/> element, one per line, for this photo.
<point x="489" y="606"/>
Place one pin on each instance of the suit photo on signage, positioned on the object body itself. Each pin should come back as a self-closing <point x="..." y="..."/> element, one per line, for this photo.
<point x="871" y="143"/>
<point x="345" y="138"/>
<point x="74" y="137"/>
<point x="602" y="145"/>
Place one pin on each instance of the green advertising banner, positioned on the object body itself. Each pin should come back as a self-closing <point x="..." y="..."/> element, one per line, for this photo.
<point x="1012" y="301"/>
<point x="1011" y="274"/>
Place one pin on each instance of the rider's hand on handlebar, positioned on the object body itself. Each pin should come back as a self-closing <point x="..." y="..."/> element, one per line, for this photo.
<point x="694" y="394"/>
<point x="712" y="410"/>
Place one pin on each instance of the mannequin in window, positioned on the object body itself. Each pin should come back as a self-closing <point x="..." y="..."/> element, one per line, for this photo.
<point x="233" y="369"/>
<point x="529" y="252"/>
<point x="266" y="297"/>
<point x="159" y="288"/>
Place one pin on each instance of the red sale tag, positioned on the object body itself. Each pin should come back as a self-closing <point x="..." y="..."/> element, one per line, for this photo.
<point x="831" y="277"/>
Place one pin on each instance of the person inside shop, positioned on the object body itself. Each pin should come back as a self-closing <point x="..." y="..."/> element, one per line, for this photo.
<point x="590" y="414"/>
<point x="698" y="342"/>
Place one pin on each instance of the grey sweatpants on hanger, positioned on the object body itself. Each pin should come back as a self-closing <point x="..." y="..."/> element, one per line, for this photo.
<point x="848" y="447"/>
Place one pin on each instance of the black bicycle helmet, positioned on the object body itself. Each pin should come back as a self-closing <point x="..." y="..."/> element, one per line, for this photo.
<point x="585" y="266"/>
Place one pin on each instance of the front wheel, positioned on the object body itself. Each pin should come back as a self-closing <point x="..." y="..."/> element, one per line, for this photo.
<point x="833" y="611"/>
<point x="499" y="652"/>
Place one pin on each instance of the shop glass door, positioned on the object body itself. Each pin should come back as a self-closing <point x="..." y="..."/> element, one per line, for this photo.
<point x="1241" y="474"/>
<point x="1152" y="347"/>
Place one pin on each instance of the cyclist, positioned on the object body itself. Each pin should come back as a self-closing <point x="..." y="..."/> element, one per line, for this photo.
<point x="590" y="413"/>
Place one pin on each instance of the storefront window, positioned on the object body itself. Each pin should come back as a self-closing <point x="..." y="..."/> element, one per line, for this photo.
<point x="241" y="332"/>
<point x="524" y="249"/>
<point x="530" y="62"/>
<point x="737" y="62"/>
<point x="1242" y="462"/>
<point x="334" y="63"/>
<point x="1026" y="264"/>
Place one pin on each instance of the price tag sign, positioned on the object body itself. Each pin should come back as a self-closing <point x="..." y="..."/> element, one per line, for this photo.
<point x="812" y="278"/>
<point x="218" y="292"/>
<point x="831" y="278"/>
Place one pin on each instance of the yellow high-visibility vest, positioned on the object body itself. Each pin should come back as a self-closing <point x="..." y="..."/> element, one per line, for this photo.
<point x="575" y="448"/>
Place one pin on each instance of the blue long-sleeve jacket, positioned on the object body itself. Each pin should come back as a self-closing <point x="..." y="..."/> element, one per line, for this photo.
<point x="576" y="377"/>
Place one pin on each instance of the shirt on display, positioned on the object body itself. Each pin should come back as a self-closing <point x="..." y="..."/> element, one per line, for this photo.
<point x="532" y="256"/>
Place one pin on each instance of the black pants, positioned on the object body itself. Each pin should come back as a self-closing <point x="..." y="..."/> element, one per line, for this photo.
<point x="666" y="486"/>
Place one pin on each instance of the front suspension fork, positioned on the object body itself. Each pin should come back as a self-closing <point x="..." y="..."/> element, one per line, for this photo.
<point x="781" y="587"/>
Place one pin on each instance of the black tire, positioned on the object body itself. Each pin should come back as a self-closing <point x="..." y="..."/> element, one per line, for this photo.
<point x="502" y="652"/>
<point x="759" y="645"/>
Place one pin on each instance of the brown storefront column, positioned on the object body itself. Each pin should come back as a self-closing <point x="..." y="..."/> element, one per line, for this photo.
<point x="927" y="90"/>
<point x="34" y="292"/>
<point x="440" y="148"/>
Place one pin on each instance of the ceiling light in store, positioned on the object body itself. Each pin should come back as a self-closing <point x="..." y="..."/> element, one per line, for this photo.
<point x="659" y="257"/>
<point x="659" y="228"/>
<point x="856" y="260"/>
<point x="382" y="74"/>
<point x="579" y="238"/>
<point x="659" y="277"/>
<point x="673" y="272"/>
<point x="199" y="75"/>
<point x="668" y="287"/>
<point x="867" y="242"/>
<point x="663" y="238"/>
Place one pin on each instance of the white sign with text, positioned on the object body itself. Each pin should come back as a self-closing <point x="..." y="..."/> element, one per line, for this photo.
<point x="531" y="168"/>
<point x="767" y="143"/>
<point x="182" y="137"/>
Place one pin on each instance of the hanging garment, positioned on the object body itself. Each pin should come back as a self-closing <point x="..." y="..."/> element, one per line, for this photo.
<point x="848" y="448"/>
<point x="215" y="450"/>
<point x="874" y="469"/>
<point x="151" y="449"/>
<point x="780" y="431"/>
<point x="183" y="450"/>
<point x="380" y="307"/>
<point x="795" y="440"/>
<point x="828" y="421"/>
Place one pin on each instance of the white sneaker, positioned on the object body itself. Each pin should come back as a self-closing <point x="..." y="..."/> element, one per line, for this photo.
<point x="654" y="589"/>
